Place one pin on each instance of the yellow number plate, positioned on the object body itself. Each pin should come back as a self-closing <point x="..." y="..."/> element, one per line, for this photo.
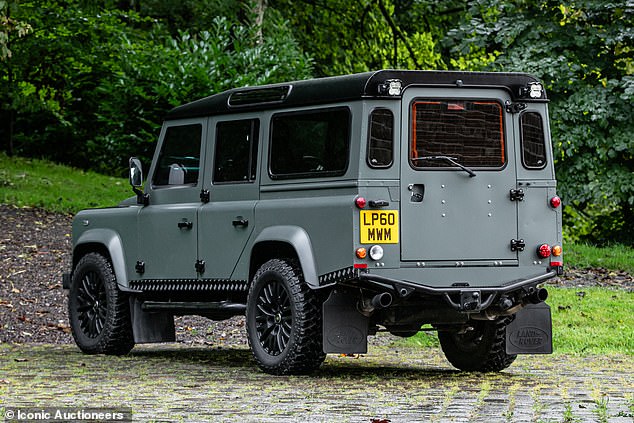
<point x="379" y="226"/>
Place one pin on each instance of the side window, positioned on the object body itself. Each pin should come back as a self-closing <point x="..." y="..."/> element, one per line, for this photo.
<point x="310" y="144"/>
<point x="381" y="138"/>
<point x="533" y="142"/>
<point x="236" y="151"/>
<point x="179" y="159"/>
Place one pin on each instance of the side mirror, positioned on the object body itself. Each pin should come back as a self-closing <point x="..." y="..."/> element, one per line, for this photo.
<point x="136" y="173"/>
<point x="136" y="180"/>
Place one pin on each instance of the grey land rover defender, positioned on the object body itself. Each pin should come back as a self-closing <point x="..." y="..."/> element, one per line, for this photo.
<point x="329" y="209"/>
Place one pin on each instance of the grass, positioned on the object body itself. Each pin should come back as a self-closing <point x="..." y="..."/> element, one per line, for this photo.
<point x="613" y="257"/>
<point x="589" y="321"/>
<point x="57" y="188"/>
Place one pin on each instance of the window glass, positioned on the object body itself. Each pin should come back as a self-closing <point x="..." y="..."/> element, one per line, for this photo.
<point x="310" y="144"/>
<point x="533" y="142"/>
<point x="381" y="138"/>
<point x="471" y="132"/>
<point x="179" y="159"/>
<point x="236" y="151"/>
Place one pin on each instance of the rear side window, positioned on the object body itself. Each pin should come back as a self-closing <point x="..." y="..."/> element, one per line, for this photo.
<point x="381" y="139"/>
<point x="310" y="144"/>
<point x="470" y="132"/>
<point x="533" y="142"/>
<point x="179" y="159"/>
<point x="236" y="151"/>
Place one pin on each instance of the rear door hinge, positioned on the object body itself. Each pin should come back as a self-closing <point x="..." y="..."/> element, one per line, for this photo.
<point x="514" y="107"/>
<point x="517" y="194"/>
<point x="517" y="245"/>
<point x="200" y="266"/>
<point x="204" y="195"/>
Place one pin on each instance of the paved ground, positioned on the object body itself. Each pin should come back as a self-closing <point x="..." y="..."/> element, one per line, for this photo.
<point x="170" y="382"/>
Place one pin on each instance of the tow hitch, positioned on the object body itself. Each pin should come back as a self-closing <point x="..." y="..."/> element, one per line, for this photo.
<point x="470" y="300"/>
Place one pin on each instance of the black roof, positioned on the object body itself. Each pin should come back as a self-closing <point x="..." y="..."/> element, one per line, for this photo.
<point x="343" y="88"/>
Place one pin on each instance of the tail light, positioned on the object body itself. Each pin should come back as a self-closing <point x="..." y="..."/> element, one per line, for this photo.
<point x="543" y="251"/>
<point x="360" y="202"/>
<point x="555" y="202"/>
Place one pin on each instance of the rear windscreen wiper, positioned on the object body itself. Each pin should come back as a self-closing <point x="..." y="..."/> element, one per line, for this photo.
<point x="451" y="160"/>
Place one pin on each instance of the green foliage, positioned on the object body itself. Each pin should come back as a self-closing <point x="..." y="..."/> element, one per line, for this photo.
<point x="584" y="54"/>
<point x="349" y="37"/>
<point x="56" y="188"/>
<point x="111" y="75"/>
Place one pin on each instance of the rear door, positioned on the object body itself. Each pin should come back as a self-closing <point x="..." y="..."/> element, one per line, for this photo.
<point x="227" y="220"/>
<point x="448" y="214"/>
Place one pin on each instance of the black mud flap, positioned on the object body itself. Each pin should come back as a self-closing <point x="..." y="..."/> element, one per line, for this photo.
<point x="531" y="332"/>
<point x="345" y="330"/>
<point x="149" y="327"/>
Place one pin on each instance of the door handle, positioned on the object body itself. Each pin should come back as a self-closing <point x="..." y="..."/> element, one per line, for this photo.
<point x="241" y="222"/>
<point x="185" y="225"/>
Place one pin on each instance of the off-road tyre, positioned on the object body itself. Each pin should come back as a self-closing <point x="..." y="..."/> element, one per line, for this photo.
<point x="98" y="311"/>
<point x="284" y="320"/>
<point x="482" y="349"/>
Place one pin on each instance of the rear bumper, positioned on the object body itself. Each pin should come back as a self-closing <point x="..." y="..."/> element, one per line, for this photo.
<point x="460" y="298"/>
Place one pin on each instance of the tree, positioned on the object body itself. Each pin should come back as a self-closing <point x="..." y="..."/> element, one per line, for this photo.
<point x="9" y="28"/>
<point x="348" y="37"/>
<point x="94" y="83"/>
<point x="584" y="54"/>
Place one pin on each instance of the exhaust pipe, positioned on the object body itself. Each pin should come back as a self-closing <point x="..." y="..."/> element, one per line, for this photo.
<point x="379" y="301"/>
<point x="538" y="296"/>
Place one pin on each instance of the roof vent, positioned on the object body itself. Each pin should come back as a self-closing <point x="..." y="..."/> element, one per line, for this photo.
<point x="255" y="96"/>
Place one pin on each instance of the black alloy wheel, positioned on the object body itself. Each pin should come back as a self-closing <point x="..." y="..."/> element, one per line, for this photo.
<point x="283" y="320"/>
<point x="92" y="304"/>
<point x="274" y="317"/>
<point x="98" y="311"/>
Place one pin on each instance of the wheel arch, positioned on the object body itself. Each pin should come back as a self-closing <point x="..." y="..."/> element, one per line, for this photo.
<point x="108" y="243"/>
<point x="285" y="242"/>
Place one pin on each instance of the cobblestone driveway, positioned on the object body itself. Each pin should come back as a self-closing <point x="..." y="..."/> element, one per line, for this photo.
<point x="168" y="382"/>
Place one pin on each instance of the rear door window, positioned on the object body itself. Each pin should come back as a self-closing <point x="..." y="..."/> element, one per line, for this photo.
<point x="471" y="132"/>
<point x="381" y="139"/>
<point x="533" y="141"/>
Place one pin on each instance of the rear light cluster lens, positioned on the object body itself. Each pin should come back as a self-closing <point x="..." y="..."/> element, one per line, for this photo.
<point x="360" y="202"/>
<point x="543" y="251"/>
<point x="557" y="250"/>
<point x="361" y="253"/>
<point x="555" y="202"/>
